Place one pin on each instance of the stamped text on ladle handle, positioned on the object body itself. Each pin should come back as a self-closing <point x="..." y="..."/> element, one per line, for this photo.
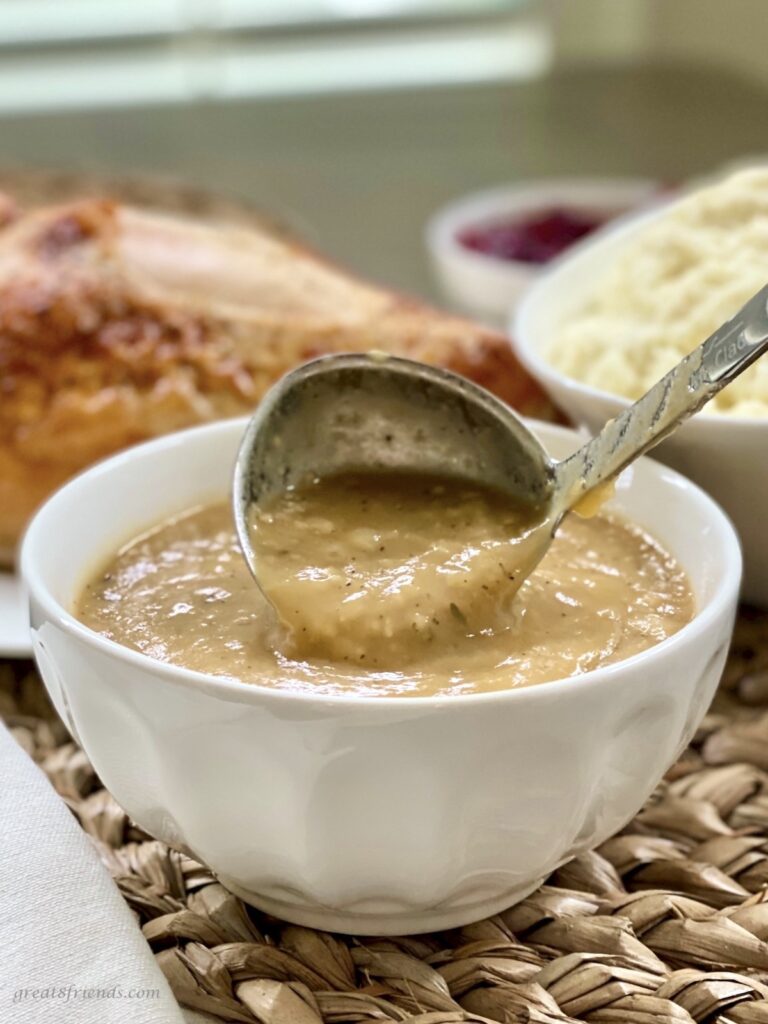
<point x="682" y="392"/>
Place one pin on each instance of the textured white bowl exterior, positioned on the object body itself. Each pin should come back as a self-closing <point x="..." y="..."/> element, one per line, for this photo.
<point x="357" y="814"/>
<point x="727" y="457"/>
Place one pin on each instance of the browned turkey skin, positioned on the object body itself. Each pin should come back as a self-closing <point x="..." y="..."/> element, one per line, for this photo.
<point x="118" y="324"/>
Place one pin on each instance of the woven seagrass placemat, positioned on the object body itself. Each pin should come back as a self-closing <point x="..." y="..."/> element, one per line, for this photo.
<point x="665" y="922"/>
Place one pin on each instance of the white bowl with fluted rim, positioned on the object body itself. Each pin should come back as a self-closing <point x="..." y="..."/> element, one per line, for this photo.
<point x="359" y="814"/>
<point x="487" y="286"/>
<point x="726" y="455"/>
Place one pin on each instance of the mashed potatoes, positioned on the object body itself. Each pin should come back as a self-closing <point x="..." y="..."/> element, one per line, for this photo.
<point x="675" y="282"/>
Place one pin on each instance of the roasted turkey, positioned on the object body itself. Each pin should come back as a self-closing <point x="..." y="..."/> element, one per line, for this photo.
<point x="118" y="324"/>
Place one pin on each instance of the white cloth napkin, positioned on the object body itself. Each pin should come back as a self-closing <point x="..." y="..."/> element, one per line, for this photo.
<point x="70" y="950"/>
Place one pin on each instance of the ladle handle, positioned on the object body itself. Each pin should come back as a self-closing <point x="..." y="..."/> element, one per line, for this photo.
<point x="682" y="392"/>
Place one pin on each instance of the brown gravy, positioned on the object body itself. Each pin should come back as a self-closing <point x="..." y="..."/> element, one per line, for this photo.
<point x="389" y="587"/>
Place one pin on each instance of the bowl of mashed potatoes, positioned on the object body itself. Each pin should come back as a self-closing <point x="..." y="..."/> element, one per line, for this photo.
<point x="429" y="759"/>
<point x="624" y="307"/>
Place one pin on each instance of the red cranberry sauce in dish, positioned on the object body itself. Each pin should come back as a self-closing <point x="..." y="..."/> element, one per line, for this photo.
<point x="532" y="238"/>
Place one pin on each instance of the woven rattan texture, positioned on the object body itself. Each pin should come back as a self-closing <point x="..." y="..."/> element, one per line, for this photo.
<point x="666" y="922"/>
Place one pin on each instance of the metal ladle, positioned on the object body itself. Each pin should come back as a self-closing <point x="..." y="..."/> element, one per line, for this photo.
<point x="374" y="412"/>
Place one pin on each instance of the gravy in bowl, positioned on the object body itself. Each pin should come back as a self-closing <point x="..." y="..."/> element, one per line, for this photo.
<point x="388" y="585"/>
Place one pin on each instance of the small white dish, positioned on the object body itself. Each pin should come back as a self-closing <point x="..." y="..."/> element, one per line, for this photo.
<point x="727" y="456"/>
<point x="15" y="639"/>
<point x="359" y="814"/>
<point x="489" y="287"/>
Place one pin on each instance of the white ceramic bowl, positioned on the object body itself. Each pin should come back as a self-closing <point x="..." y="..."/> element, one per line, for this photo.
<point x="489" y="287"/>
<point x="726" y="456"/>
<point x="368" y="815"/>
